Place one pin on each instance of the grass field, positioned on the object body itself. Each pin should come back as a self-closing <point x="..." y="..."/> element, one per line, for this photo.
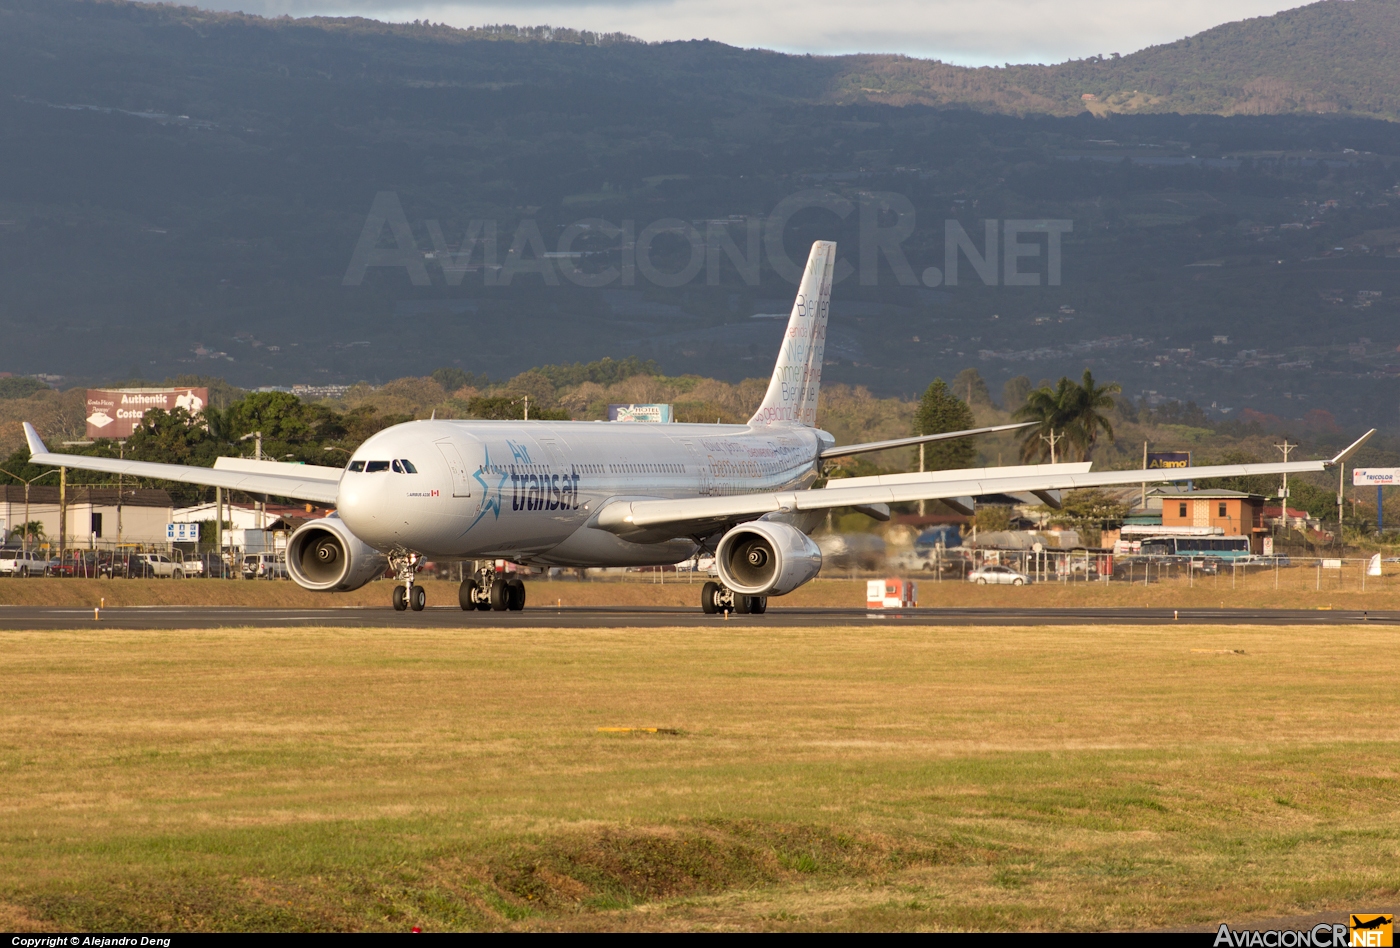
<point x="1297" y="588"/>
<point x="1022" y="778"/>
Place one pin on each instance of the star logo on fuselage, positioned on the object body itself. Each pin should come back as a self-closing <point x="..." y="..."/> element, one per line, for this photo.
<point x="489" y="503"/>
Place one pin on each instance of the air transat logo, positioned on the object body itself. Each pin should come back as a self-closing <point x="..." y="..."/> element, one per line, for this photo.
<point x="490" y="496"/>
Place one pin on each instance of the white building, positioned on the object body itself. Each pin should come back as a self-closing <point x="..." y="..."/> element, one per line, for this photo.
<point x="95" y="518"/>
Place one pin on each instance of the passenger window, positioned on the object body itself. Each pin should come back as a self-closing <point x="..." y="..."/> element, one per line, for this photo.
<point x="376" y="467"/>
<point x="408" y="467"/>
<point x="357" y="466"/>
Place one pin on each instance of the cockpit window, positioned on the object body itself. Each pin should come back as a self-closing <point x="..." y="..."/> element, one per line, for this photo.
<point x="357" y="466"/>
<point x="375" y="467"/>
<point x="408" y="467"/>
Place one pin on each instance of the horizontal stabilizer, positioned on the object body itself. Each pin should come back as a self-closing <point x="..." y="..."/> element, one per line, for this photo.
<point x="849" y="449"/>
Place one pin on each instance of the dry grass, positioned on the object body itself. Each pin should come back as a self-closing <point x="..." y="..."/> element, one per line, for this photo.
<point x="1296" y="589"/>
<point x="1025" y="778"/>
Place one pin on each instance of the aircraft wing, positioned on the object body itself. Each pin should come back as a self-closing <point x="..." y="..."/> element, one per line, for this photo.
<point x="319" y="484"/>
<point x="688" y="516"/>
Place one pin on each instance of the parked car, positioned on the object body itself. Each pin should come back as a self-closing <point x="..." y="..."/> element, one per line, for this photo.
<point x="16" y="562"/>
<point x="158" y="565"/>
<point x="997" y="575"/>
<point x="913" y="560"/>
<point x="864" y="551"/>
<point x="263" y="566"/>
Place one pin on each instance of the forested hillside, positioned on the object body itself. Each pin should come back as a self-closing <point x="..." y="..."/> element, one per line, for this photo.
<point x="188" y="193"/>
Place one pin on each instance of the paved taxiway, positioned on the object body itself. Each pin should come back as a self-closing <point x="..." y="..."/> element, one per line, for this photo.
<point x="17" y="618"/>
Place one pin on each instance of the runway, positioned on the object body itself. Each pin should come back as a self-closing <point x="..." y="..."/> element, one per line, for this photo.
<point x="24" y="618"/>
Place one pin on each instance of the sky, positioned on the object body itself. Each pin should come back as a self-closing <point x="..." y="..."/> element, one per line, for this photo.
<point x="966" y="32"/>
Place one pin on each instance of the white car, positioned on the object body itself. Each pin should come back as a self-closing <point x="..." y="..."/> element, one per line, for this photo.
<point x="19" y="563"/>
<point x="162" y="566"/>
<point x="997" y="575"/>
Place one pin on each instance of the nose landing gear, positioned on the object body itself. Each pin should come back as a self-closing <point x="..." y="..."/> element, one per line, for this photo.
<point x="408" y="596"/>
<point x="715" y="599"/>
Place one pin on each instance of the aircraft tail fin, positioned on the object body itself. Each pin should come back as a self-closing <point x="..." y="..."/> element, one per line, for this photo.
<point x="797" y="377"/>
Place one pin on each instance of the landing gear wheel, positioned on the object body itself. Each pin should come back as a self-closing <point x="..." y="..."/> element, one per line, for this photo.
<point x="758" y="605"/>
<point x="709" y="598"/>
<point x="742" y="604"/>
<point x="500" y="596"/>
<point x="400" y="599"/>
<point x="418" y="599"/>
<point x="515" y="602"/>
<point x="466" y="595"/>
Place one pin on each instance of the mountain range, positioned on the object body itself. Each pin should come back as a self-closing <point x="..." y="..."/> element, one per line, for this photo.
<point x="189" y="193"/>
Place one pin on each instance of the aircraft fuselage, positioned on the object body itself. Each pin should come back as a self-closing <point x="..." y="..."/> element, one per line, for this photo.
<point x="527" y="491"/>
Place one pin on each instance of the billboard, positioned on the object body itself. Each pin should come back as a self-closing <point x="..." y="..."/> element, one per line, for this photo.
<point x="182" y="532"/>
<point x="1168" y="459"/>
<point x="116" y="413"/>
<point x="1375" y="476"/>
<point x="656" y="414"/>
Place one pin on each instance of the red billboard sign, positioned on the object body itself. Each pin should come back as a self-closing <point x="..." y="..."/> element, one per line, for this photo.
<point x="116" y="413"/>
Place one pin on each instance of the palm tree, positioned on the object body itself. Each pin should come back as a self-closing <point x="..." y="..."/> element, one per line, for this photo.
<point x="1070" y="412"/>
<point x="1046" y="407"/>
<point x="1088" y="402"/>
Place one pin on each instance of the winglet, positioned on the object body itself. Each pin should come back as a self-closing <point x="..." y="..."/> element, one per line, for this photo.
<point x="1346" y="452"/>
<point x="36" y="444"/>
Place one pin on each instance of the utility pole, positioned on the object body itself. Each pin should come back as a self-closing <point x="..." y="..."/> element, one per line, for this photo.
<point x="921" y="470"/>
<point x="219" y="528"/>
<point x="121" y="449"/>
<point x="1283" y="491"/>
<point x="527" y="407"/>
<point x="1052" y="439"/>
<point x="1143" y="504"/>
<point x="62" y="511"/>
<point x="24" y="527"/>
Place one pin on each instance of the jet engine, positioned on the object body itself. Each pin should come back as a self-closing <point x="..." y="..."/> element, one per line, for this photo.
<point x="764" y="558"/>
<point x="325" y="556"/>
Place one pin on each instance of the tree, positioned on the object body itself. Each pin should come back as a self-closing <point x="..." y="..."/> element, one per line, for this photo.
<point x="1046" y="407"/>
<point x="1072" y="411"/>
<point x="506" y="408"/>
<point x="1014" y="392"/>
<point x="1088" y="406"/>
<point x="940" y="410"/>
<point x="970" y="385"/>
<point x="1266" y="485"/>
<point x="1090" y="512"/>
<point x="172" y="437"/>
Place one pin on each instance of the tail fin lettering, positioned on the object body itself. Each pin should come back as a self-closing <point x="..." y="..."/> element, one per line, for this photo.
<point x="797" y="377"/>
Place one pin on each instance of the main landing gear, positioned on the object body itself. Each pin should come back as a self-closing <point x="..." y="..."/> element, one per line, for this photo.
<point x="489" y="590"/>
<point x="407" y="596"/>
<point x="715" y="599"/>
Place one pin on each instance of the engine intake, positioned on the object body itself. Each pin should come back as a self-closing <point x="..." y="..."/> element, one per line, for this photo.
<point x="325" y="556"/>
<point x="764" y="558"/>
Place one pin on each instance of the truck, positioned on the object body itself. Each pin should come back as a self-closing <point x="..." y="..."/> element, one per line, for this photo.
<point x="160" y="566"/>
<point x="16" y="562"/>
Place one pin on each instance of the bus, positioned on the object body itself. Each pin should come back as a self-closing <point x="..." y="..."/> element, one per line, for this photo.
<point x="1224" y="548"/>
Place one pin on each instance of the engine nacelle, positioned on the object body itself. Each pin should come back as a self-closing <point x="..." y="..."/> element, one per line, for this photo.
<point x="325" y="556"/>
<point x="764" y="558"/>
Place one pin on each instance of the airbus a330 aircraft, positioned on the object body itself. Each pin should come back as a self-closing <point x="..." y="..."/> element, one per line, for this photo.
<point x="582" y="494"/>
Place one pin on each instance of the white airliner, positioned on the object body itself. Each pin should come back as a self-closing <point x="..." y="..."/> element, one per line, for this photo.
<point x="581" y="494"/>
